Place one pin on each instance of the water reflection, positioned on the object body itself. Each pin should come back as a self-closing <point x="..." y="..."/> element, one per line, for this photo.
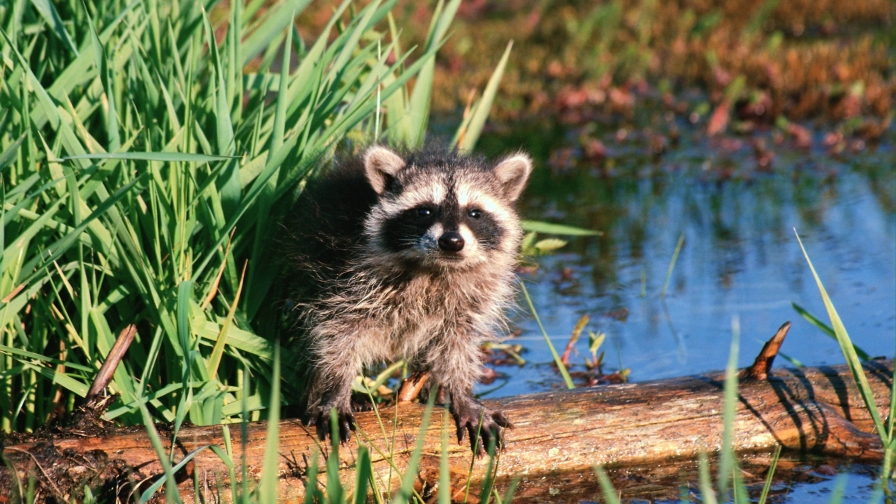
<point x="740" y="256"/>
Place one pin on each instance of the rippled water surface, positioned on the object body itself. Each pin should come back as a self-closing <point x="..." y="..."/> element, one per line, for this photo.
<point x="740" y="266"/>
<point x="740" y="263"/>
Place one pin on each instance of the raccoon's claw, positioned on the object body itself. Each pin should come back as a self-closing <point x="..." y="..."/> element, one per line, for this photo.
<point x="488" y="424"/>
<point x="345" y="422"/>
<point x="361" y="403"/>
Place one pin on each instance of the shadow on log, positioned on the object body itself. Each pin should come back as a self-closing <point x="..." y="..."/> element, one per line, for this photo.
<point x="558" y="437"/>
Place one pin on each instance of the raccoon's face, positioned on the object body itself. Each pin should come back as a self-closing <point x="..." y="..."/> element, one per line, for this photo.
<point x="443" y="211"/>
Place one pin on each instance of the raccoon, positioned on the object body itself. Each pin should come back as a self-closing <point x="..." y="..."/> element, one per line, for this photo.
<point x="405" y="255"/>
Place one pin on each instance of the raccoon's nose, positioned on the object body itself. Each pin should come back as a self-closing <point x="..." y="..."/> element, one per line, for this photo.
<point x="451" y="242"/>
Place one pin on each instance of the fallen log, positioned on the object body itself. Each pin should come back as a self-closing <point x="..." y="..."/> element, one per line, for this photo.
<point x="557" y="436"/>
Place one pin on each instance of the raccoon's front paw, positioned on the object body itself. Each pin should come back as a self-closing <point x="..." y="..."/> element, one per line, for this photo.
<point x="482" y="424"/>
<point x="344" y="420"/>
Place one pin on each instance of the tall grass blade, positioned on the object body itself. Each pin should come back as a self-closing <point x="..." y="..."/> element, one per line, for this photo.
<point x="557" y="360"/>
<point x="335" y="492"/>
<point x="739" y="488"/>
<point x="228" y="181"/>
<point x="511" y="490"/>
<point x="558" y="229"/>
<point x="418" y="105"/>
<point x="171" y="493"/>
<point x="274" y="22"/>
<point x="488" y="481"/>
<point x="672" y="265"/>
<point x="839" y="489"/>
<point x="184" y="294"/>
<point x="363" y="475"/>
<point x="706" y="491"/>
<point x="849" y="352"/>
<point x="166" y="157"/>
<point x="225" y="455"/>
<point x="826" y="329"/>
<point x="606" y="486"/>
<point x="313" y="494"/>
<point x="410" y="476"/>
<point x="469" y="134"/>
<point x="267" y="487"/>
<point x="261" y="272"/>
<point x="151" y="489"/>
<point x="218" y="351"/>
<point x="770" y="477"/>
<point x="51" y="16"/>
<point x="727" y="460"/>
<point x="102" y="67"/>
<point x="444" y="495"/>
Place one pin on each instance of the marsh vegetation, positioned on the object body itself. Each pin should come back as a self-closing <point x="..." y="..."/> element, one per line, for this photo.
<point x="147" y="150"/>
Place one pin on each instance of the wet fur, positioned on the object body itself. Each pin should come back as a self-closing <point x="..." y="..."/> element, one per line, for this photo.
<point x="360" y="301"/>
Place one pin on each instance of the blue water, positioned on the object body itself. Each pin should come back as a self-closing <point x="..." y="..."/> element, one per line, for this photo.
<point x="740" y="265"/>
<point x="740" y="269"/>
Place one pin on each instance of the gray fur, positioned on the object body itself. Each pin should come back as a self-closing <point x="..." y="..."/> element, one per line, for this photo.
<point x="366" y="296"/>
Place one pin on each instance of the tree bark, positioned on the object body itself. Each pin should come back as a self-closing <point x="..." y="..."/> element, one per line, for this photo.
<point x="557" y="436"/>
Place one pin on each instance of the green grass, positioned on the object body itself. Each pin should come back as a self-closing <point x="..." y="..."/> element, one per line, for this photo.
<point x="567" y="380"/>
<point x="883" y="428"/>
<point x="147" y="150"/>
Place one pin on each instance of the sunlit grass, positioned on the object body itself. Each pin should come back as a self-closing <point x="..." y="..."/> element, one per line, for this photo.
<point x="145" y="163"/>
<point x="884" y="430"/>
<point x="147" y="151"/>
<point x="557" y="360"/>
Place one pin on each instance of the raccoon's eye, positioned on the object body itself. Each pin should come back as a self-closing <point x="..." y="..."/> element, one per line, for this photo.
<point x="424" y="212"/>
<point x="475" y="213"/>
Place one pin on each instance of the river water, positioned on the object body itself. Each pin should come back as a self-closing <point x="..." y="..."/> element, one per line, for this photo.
<point x="740" y="266"/>
<point x="740" y="261"/>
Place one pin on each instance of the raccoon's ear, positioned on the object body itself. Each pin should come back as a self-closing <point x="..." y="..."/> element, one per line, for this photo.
<point x="380" y="165"/>
<point x="513" y="173"/>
